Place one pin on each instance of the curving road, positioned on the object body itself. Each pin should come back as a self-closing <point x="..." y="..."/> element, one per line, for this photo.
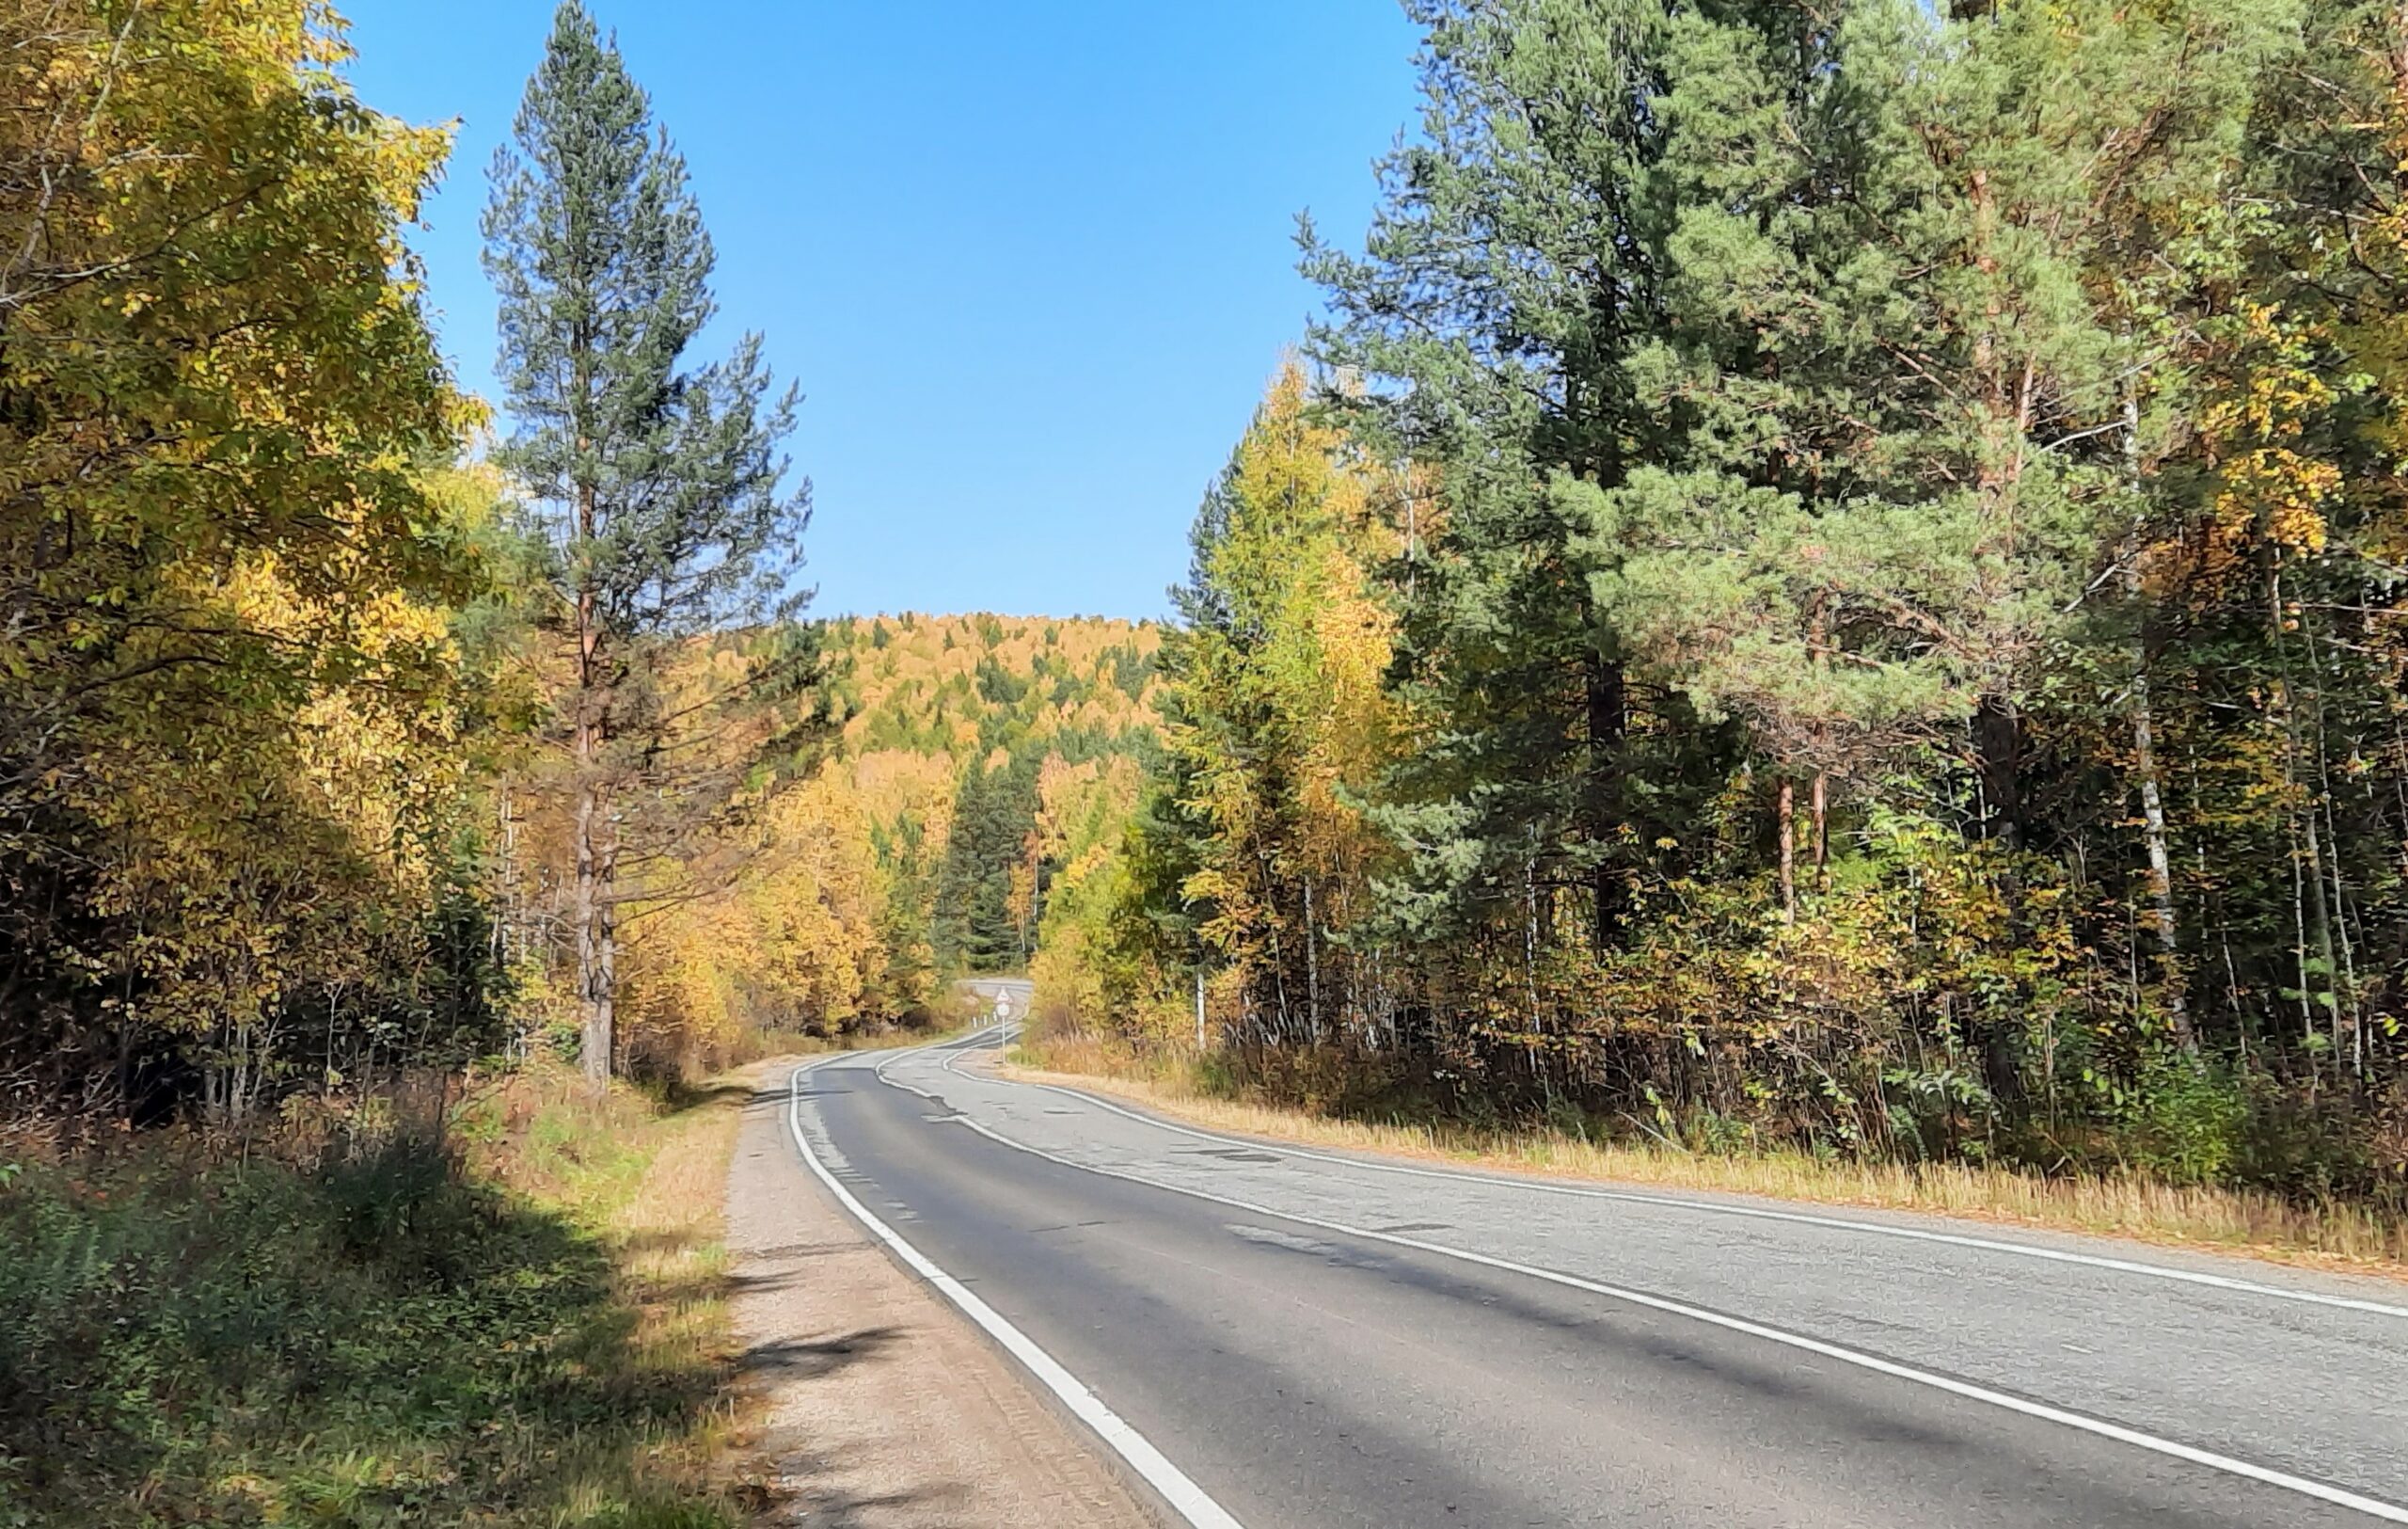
<point x="1313" y="1339"/>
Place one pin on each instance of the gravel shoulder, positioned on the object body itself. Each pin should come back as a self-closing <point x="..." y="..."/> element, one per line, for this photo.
<point x="881" y="1407"/>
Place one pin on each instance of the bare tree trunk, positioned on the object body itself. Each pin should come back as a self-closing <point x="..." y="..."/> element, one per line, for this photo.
<point x="2319" y="911"/>
<point x="2160" y="871"/>
<point x="1608" y="707"/>
<point x="2346" y="976"/>
<point x="1312" y="968"/>
<point x="2299" y="926"/>
<point x="507" y="939"/>
<point x="1531" y="927"/>
<point x="1820" y="808"/>
<point x="1787" y="814"/>
<point x="1280" y="986"/>
<point x="1028" y="914"/>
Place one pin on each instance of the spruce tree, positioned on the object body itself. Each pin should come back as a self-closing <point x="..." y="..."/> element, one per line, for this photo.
<point x="661" y="484"/>
<point x="994" y="816"/>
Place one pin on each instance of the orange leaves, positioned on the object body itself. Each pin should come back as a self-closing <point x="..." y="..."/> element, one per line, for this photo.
<point x="794" y="944"/>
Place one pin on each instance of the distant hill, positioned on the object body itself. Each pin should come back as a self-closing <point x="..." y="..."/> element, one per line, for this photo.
<point x="968" y="739"/>
<point x="980" y="760"/>
<point x="959" y="686"/>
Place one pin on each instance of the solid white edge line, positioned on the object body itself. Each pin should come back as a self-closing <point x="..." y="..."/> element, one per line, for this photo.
<point x="1180" y="1494"/>
<point x="2338" y="1497"/>
<point x="2021" y="1249"/>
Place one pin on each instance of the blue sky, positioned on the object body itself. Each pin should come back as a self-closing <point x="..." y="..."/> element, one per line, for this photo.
<point x="1031" y="263"/>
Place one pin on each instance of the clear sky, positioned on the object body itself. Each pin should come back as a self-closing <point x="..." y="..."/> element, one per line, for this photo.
<point x="1031" y="261"/>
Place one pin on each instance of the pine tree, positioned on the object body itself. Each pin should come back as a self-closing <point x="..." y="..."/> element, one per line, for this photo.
<point x="1511" y="278"/>
<point x="661" y="486"/>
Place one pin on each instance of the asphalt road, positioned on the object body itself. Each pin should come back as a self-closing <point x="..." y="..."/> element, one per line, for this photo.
<point x="1315" y="1339"/>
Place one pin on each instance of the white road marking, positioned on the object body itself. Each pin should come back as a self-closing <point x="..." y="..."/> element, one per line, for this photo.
<point x="1993" y="1245"/>
<point x="2319" y="1490"/>
<point x="1185" y="1497"/>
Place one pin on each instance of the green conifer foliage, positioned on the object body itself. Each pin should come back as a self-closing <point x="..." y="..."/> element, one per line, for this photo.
<point x="660" y="483"/>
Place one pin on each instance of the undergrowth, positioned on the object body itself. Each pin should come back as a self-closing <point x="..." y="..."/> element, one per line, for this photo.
<point x="518" y="1323"/>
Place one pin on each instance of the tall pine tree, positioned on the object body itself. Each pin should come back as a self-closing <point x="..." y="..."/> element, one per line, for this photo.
<point x="661" y="486"/>
<point x="1510" y="276"/>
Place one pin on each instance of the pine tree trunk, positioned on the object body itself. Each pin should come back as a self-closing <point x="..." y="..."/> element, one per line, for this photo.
<point x="596" y="955"/>
<point x="1998" y="761"/>
<point x="1820" y="806"/>
<point x="604" y="1023"/>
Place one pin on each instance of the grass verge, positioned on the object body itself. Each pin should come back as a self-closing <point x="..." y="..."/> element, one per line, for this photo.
<point x="523" y="1324"/>
<point x="2341" y="1237"/>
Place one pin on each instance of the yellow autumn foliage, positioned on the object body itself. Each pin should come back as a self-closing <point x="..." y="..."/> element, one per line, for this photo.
<point x="830" y="927"/>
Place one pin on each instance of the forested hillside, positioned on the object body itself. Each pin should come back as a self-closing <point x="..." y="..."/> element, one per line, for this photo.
<point x="1839" y="586"/>
<point x="977" y="764"/>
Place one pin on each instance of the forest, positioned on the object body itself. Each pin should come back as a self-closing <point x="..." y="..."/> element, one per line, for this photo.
<point x="1830" y="581"/>
<point x="1824" y="582"/>
<point x="982" y="765"/>
<point x="1829" y="584"/>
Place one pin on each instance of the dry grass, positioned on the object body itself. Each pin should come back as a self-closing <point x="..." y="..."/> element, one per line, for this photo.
<point x="2340" y="1237"/>
<point x="648" y="1178"/>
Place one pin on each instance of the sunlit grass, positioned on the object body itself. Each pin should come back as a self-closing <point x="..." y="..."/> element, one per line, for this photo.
<point x="2336" y="1236"/>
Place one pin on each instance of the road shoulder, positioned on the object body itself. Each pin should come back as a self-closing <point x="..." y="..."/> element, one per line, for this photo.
<point x="878" y="1406"/>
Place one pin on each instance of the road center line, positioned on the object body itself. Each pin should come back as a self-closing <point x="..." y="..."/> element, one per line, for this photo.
<point x="2321" y="1492"/>
<point x="1192" y="1504"/>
